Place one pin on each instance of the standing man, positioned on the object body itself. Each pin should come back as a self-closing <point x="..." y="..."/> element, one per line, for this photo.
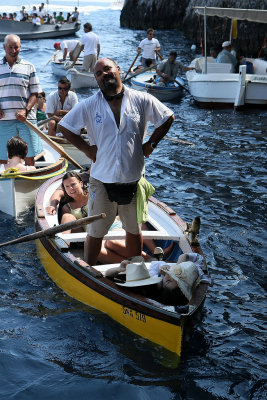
<point x="59" y="103"/>
<point x="116" y="119"/>
<point x="168" y="69"/>
<point x="19" y="86"/>
<point x="225" y="56"/>
<point x="91" y="47"/>
<point x="73" y="47"/>
<point x="149" y="46"/>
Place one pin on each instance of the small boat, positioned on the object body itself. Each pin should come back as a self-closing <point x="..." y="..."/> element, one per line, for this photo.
<point x="60" y="68"/>
<point x="81" y="79"/>
<point x="18" y="189"/>
<point x="145" y="83"/>
<point x="215" y="84"/>
<point x="62" y="258"/>
<point x="27" y="30"/>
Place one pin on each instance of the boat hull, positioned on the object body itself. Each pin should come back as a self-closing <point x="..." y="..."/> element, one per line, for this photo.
<point x="224" y="88"/>
<point x="161" y="93"/>
<point x="161" y="326"/>
<point x="17" y="192"/>
<point x="81" y="79"/>
<point x="27" y="30"/>
<point x="60" y="68"/>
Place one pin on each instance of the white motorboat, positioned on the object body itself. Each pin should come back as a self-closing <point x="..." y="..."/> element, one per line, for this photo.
<point x="18" y="189"/>
<point x="27" y="30"/>
<point x="145" y="83"/>
<point x="214" y="83"/>
<point x="81" y="79"/>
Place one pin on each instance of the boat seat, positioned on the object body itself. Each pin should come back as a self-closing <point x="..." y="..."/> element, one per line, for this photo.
<point x="217" y="68"/>
<point x="119" y="234"/>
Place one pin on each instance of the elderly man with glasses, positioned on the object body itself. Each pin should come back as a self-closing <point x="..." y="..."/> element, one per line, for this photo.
<point x="59" y="103"/>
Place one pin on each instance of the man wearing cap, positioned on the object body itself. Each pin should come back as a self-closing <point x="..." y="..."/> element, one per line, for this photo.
<point x="73" y="47"/>
<point x="225" y="56"/>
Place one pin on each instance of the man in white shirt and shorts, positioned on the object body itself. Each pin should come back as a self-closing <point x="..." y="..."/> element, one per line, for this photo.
<point x="91" y="46"/>
<point x="149" y="46"/>
<point x="116" y="119"/>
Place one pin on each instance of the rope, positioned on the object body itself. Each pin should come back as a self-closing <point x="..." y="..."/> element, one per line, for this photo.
<point x="14" y="174"/>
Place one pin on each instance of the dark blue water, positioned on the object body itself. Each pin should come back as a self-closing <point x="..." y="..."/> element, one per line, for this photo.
<point x="52" y="347"/>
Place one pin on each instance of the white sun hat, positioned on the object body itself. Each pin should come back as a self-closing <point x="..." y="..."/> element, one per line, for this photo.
<point x="137" y="275"/>
<point x="185" y="274"/>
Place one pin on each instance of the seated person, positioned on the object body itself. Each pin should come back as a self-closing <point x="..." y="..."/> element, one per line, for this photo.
<point x="76" y="197"/>
<point x="17" y="150"/>
<point x="35" y="19"/>
<point x="40" y="107"/>
<point x="214" y="52"/>
<point x="59" y="103"/>
<point x="225" y="56"/>
<point x="168" y="69"/>
<point x="175" y="282"/>
<point x="60" y="18"/>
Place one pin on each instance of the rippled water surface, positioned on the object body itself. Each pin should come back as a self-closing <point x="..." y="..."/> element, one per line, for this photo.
<point x="52" y="347"/>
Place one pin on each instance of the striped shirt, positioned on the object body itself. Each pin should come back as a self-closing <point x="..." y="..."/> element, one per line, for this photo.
<point x="17" y="83"/>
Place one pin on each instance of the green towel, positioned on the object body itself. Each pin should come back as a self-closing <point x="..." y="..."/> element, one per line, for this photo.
<point x="144" y="191"/>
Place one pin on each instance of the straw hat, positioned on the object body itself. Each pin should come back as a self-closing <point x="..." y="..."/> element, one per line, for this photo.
<point x="137" y="275"/>
<point x="185" y="274"/>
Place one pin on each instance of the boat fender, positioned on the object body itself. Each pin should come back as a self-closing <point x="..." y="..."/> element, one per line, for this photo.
<point x="77" y="24"/>
<point x="57" y="26"/>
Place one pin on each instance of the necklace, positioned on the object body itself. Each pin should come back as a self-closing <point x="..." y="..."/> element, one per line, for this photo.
<point x="115" y="96"/>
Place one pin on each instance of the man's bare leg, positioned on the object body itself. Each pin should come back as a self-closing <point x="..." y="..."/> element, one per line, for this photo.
<point x="52" y="128"/>
<point x="92" y="247"/>
<point x="134" y="244"/>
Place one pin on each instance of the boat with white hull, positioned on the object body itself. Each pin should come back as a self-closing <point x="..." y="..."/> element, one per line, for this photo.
<point x="214" y="83"/>
<point x="60" y="68"/>
<point x="27" y="30"/>
<point x="81" y="79"/>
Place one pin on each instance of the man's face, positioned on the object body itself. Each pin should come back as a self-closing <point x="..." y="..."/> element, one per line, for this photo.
<point x="63" y="89"/>
<point x="107" y="75"/>
<point x="12" y="48"/>
<point x="172" y="59"/>
<point x="150" y="35"/>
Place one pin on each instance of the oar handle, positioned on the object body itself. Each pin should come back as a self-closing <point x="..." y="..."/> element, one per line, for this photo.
<point x="131" y="65"/>
<point x="55" y="229"/>
<point x="54" y="145"/>
<point x="160" y="56"/>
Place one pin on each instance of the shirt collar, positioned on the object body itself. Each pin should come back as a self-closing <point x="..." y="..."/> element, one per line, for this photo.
<point x="18" y="60"/>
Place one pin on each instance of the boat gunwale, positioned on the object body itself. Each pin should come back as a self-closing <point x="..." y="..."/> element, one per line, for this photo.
<point x="52" y="168"/>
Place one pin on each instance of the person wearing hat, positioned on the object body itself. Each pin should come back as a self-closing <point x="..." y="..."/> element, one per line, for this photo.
<point x="225" y="56"/>
<point x="175" y="283"/>
<point x="73" y="47"/>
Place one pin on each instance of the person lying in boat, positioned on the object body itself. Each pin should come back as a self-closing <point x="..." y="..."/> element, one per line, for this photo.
<point x="76" y="196"/>
<point x="168" y="69"/>
<point x="175" y="282"/>
<point x="17" y="150"/>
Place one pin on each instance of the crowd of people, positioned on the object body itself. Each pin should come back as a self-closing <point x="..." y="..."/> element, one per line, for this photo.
<point x="41" y="16"/>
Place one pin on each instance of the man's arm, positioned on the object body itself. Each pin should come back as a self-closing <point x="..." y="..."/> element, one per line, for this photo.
<point x="98" y="50"/>
<point x="77" y="141"/>
<point x="21" y="115"/>
<point x="157" y="136"/>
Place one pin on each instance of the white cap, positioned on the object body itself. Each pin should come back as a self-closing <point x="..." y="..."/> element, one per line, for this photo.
<point x="226" y="44"/>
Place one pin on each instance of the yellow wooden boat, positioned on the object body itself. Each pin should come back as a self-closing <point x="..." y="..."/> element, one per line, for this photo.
<point x="159" y="323"/>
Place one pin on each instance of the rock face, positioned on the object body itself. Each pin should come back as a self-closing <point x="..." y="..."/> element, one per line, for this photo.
<point x="178" y="14"/>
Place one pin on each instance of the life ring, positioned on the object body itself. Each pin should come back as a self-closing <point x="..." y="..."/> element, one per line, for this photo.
<point x="57" y="26"/>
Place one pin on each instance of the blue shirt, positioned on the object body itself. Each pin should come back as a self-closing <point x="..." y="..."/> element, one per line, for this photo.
<point x="226" y="57"/>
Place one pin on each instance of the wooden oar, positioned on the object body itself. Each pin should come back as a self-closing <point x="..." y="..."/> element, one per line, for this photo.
<point x="141" y="71"/>
<point x="176" y="81"/>
<point x="51" y="59"/>
<point x="54" y="145"/>
<point x="131" y="65"/>
<point x="175" y="140"/>
<point x="55" y="229"/>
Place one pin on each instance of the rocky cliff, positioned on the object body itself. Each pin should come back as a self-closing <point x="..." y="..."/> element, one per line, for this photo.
<point x="170" y="14"/>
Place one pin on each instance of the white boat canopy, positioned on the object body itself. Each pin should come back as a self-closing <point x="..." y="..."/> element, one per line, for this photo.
<point x="237" y="13"/>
